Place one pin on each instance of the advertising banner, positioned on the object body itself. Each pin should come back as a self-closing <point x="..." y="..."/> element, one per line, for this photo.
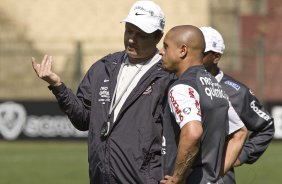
<point x="45" y="120"/>
<point x="30" y="120"/>
<point x="276" y="112"/>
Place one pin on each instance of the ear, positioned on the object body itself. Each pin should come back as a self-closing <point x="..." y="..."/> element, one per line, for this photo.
<point x="183" y="51"/>
<point x="217" y="57"/>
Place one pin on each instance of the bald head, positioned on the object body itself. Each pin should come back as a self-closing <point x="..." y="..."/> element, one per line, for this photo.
<point x="183" y="47"/>
<point x="188" y="35"/>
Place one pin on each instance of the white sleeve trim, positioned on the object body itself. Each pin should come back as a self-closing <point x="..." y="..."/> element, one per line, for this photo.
<point x="184" y="102"/>
<point x="235" y="123"/>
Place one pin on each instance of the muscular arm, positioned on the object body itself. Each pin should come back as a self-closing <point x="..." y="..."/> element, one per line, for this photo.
<point x="234" y="145"/>
<point x="188" y="148"/>
<point x="186" y="110"/>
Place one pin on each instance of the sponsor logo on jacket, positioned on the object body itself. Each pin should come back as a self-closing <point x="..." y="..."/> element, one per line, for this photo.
<point x="176" y="106"/>
<point x="197" y="104"/>
<point x="259" y="112"/>
<point x="104" y="94"/>
<point x="233" y="85"/>
<point x="212" y="89"/>
<point x="163" y="150"/>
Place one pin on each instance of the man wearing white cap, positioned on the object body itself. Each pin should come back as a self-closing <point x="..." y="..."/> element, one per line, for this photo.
<point x="119" y="102"/>
<point x="252" y="113"/>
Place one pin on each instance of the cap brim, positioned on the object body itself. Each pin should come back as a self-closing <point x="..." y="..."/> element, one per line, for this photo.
<point x="214" y="50"/>
<point x="140" y="24"/>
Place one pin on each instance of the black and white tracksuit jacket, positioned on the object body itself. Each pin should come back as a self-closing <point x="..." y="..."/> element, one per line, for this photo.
<point x="255" y="117"/>
<point x="132" y="151"/>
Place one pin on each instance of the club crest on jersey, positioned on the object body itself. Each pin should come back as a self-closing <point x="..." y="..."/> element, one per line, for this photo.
<point x="186" y="110"/>
<point x="104" y="94"/>
<point x="232" y="84"/>
<point x="149" y="90"/>
<point x="252" y="92"/>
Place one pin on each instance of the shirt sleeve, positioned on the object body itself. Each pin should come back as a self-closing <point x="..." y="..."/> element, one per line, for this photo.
<point x="258" y="120"/>
<point x="234" y="123"/>
<point x="184" y="102"/>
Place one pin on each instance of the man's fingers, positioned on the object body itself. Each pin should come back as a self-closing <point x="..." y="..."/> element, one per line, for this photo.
<point x="49" y="64"/>
<point x="163" y="181"/>
<point x="167" y="177"/>
<point x="35" y="65"/>
<point x="42" y="71"/>
<point x="46" y="70"/>
<point x="44" y="60"/>
<point x="237" y="163"/>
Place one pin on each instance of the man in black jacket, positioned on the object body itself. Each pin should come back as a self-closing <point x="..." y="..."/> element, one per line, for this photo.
<point x="119" y="102"/>
<point x="253" y="114"/>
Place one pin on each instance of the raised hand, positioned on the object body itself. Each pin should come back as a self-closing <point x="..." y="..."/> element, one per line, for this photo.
<point x="44" y="71"/>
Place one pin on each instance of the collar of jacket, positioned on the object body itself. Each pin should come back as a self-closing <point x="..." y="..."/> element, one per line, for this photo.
<point x="113" y="64"/>
<point x="192" y="69"/>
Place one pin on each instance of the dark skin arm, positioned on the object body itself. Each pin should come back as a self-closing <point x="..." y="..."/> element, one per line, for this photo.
<point x="188" y="148"/>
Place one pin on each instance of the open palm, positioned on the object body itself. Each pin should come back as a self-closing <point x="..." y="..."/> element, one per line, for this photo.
<point x="44" y="70"/>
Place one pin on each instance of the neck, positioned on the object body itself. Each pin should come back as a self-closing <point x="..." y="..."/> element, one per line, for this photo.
<point x="214" y="71"/>
<point x="186" y="65"/>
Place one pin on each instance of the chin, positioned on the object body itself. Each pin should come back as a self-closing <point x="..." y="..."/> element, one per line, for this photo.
<point x="165" y="68"/>
<point x="132" y="54"/>
<point x="131" y="50"/>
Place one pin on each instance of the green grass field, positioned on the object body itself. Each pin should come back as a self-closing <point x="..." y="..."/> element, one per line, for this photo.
<point x="43" y="162"/>
<point x="65" y="162"/>
<point x="267" y="170"/>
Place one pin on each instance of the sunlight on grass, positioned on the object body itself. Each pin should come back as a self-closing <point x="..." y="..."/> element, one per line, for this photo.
<point x="266" y="170"/>
<point x="44" y="162"/>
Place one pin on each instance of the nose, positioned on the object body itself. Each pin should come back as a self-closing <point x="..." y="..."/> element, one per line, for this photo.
<point x="131" y="40"/>
<point x="161" y="52"/>
<point x="132" y="37"/>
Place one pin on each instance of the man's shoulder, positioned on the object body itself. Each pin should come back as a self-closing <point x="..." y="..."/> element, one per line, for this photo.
<point x="111" y="58"/>
<point x="187" y="80"/>
<point x="158" y="72"/>
<point x="236" y="90"/>
<point x="233" y="83"/>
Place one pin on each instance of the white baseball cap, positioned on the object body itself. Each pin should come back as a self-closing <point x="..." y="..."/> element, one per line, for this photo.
<point x="146" y="15"/>
<point x="213" y="39"/>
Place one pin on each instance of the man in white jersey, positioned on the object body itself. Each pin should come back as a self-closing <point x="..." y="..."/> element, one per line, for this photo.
<point x="201" y="110"/>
